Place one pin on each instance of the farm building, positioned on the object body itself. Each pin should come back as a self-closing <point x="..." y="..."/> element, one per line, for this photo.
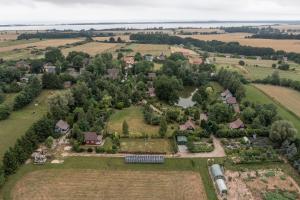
<point x="181" y="140"/>
<point x="217" y="172"/>
<point x="154" y="159"/>
<point x="62" y="127"/>
<point x="221" y="186"/>
<point x="91" y="138"/>
<point x="237" y="124"/>
<point x="187" y="126"/>
<point x="149" y="58"/>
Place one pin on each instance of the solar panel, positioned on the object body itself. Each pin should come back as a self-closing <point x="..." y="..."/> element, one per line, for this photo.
<point x="145" y="159"/>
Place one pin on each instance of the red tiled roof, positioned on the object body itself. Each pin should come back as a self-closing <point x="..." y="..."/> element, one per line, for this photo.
<point x="237" y="124"/>
<point x="189" y="125"/>
<point x="231" y="100"/>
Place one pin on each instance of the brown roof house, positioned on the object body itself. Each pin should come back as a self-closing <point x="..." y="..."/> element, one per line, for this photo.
<point x="226" y="94"/>
<point x="129" y="61"/>
<point x="237" y="124"/>
<point x="62" y="127"/>
<point x="91" y="138"/>
<point x="113" y="73"/>
<point x="231" y="100"/>
<point x="187" y="126"/>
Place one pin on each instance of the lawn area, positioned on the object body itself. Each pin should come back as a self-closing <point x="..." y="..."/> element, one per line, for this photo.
<point x="255" y="95"/>
<point x="89" y="177"/>
<point x="146" y="145"/>
<point x="19" y="121"/>
<point x="135" y="120"/>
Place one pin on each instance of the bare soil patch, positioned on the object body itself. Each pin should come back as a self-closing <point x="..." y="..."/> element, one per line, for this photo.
<point x="117" y="185"/>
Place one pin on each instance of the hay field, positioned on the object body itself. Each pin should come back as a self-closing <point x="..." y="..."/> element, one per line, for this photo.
<point x="177" y="49"/>
<point x="123" y="37"/>
<point x="154" y="49"/>
<point x="285" y="96"/>
<point x="286" y="45"/>
<point x="40" y="44"/>
<point x="94" y="48"/>
<point x="103" y="185"/>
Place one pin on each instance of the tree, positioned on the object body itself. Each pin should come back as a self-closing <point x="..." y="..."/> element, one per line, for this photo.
<point x="282" y="130"/>
<point x="242" y="63"/>
<point x="36" y="66"/>
<point x="119" y="40"/>
<point x="197" y="115"/>
<point x="112" y="40"/>
<point x="120" y="55"/>
<point x="125" y="128"/>
<point x="248" y="115"/>
<point x="138" y="57"/>
<point x="51" y="81"/>
<point x="49" y="142"/>
<point x="53" y="55"/>
<point x="4" y="111"/>
<point x="163" y="127"/>
<point x="10" y="162"/>
<point x="220" y="112"/>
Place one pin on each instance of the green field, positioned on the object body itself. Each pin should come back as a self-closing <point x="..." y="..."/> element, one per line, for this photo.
<point x="255" y="95"/>
<point x="18" y="54"/>
<point x="146" y="145"/>
<point x="135" y="120"/>
<point x="19" y="121"/>
<point x="116" y="164"/>
<point x="16" y="42"/>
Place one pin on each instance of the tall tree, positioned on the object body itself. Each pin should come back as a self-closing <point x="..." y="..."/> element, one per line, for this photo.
<point x="125" y="128"/>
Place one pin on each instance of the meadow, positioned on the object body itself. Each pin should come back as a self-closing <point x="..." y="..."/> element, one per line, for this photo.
<point x="255" y="95"/>
<point x="100" y="178"/>
<point x="19" y="121"/>
<point x="286" y="45"/>
<point x="153" y="49"/>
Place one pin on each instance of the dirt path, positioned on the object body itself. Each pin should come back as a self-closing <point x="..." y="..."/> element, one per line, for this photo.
<point x="218" y="152"/>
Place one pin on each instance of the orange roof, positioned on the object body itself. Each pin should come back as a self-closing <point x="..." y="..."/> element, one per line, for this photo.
<point x="129" y="60"/>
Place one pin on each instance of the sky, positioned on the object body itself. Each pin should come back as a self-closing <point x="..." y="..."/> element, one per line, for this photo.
<point x="72" y="11"/>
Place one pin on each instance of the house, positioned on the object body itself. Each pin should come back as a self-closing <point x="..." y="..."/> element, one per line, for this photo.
<point x="195" y="61"/>
<point x="237" y="124"/>
<point x="129" y="61"/>
<point x="231" y="100"/>
<point x="22" y="65"/>
<point x="62" y="127"/>
<point x="67" y="84"/>
<point x="187" y="126"/>
<point x="203" y="117"/>
<point x="152" y="75"/>
<point x="161" y="57"/>
<point x="226" y="94"/>
<point x="113" y="73"/>
<point x="181" y="140"/>
<point x="149" y="58"/>
<point x="151" y="92"/>
<point x="91" y="138"/>
<point x="49" y="68"/>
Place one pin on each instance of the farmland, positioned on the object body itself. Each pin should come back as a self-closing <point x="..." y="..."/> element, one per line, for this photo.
<point x="287" y="97"/>
<point x="100" y="178"/>
<point x="255" y="95"/>
<point x="94" y="48"/>
<point x="154" y="49"/>
<point x="19" y="121"/>
<point x="286" y="45"/>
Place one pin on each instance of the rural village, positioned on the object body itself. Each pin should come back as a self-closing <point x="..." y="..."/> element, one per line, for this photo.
<point x="106" y="114"/>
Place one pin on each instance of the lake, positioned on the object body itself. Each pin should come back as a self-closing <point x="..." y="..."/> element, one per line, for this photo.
<point x="103" y="26"/>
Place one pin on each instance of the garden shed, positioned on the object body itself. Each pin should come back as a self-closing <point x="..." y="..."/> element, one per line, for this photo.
<point x="216" y="172"/>
<point x="181" y="140"/>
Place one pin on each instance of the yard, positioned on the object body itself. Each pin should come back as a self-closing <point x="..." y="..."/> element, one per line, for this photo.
<point x="19" y="121"/>
<point x="135" y="120"/>
<point x="111" y="178"/>
<point x="255" y="95"/>
<point x="146" y="146"/>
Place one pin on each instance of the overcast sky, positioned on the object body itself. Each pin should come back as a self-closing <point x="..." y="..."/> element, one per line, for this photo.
<point x="61" y="11"/>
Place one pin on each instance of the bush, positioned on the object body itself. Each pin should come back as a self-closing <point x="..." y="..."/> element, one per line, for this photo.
<point x="4" y="112"/>
<point x="90" y="150"/>
<point x="99" y="150"/>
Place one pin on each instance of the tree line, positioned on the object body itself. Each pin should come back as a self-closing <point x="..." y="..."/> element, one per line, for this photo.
<point x="215" y="46"/>
<point x="276" y="36"/>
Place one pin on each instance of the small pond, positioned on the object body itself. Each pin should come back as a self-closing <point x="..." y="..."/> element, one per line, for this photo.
<point x="185" y="101"/>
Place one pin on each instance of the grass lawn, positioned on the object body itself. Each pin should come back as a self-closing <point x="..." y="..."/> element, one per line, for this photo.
<point x="19" y="121"/>
<point x="168" y="176"/>
<point x="135" y="120"/>
<point x="146" y="145"/>
<point x="255" y="95"/>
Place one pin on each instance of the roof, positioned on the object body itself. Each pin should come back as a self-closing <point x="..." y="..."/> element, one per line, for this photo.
<point x="203" y="117"/>
<point x="113" y="73"/>
<point x="90" y="136"/>
<point x="225" y="93"/>
<point x="216" y="170"/>
<point x="196" y="61"/>
<point x="237" y="124"/>
<point x="187" y="126"/>
<point x="181" y="138"/>
<point x="152" y="75"/>
<point x="62" y="125"/>
<point x="145" y="159"/>
<point x="151" y="92"/>
<point x="221" y="185"/>
<point x="231" y="100"/>
<point x="129" y="60"/>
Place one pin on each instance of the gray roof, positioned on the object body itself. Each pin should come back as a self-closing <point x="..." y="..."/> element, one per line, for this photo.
<point x="145" y="159"/>
<point x="62" y="125"/>
<point x="216" y="171"/>
<point x="221" y="186"/>
<point x="90" y="136"/>
<point x="181" y="139"/>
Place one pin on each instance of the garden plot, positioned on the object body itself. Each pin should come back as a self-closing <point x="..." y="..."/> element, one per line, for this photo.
<point x="255" y="185"/>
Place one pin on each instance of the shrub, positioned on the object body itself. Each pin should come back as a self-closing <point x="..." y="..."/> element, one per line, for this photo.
<point x="4" y="112"/>
<point x="90" y="150"/>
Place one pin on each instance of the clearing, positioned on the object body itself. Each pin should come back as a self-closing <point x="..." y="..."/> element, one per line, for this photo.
<point x="289" y="98"/>
<point x="94" y="48"/>
<point x="20" y="121"/>
<point x="255" y="95"/>
<point x="286" y="45"/>
<point x="162" y="146"/>
<point x="153" y="49"/>
<point x="135" y="120"/>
